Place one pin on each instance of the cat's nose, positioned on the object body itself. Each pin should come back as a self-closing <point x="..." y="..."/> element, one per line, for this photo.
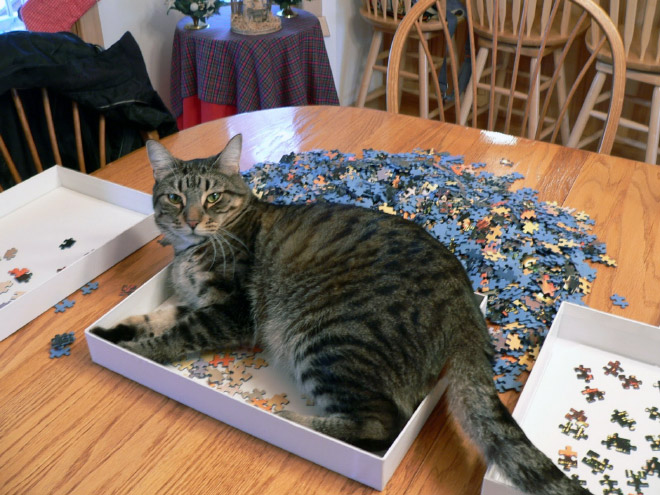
<point x="192" y="223"/>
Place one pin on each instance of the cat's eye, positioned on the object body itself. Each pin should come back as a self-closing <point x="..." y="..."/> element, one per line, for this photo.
<point x="213" y="198"/>
<point x="175" y="199"/>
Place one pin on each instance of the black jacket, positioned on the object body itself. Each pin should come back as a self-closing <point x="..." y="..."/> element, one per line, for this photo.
<point x="112" y="81"/>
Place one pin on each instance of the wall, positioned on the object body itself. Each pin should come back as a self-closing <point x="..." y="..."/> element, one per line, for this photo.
<point x="347" y="46"/>
<point x="153" y="29"/>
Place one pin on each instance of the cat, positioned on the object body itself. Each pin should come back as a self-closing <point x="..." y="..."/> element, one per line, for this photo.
<point x="363" y="308"/>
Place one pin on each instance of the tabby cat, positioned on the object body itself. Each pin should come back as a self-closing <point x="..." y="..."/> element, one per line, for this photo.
<point x="363" y="308"/>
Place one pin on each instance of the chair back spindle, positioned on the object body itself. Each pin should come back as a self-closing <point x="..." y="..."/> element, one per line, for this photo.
<point x="560" y="24"/>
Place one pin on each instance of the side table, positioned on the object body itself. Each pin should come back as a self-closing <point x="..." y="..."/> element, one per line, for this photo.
<point x="216" y="72"/>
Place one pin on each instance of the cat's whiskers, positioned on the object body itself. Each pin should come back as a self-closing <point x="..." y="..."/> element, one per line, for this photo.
<point x="221" y="239"/>
<point x="233" y="237"/>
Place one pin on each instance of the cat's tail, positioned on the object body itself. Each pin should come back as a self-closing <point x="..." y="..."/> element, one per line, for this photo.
<point x="475" y="403"/>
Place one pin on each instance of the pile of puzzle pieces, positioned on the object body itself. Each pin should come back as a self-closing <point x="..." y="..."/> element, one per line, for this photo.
<point x="612" y="448"/>
<point x="526" y="255"/>
<point x="228" y="371"/>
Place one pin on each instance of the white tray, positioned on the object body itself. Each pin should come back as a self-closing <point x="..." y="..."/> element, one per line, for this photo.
<point x="583" y="336"/>
<point x="369" y="468"/>
<point x="107" y="222"/>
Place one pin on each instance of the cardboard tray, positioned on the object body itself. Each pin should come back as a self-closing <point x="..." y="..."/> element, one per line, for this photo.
<point x="372" y="469"/>
<point x="106" y="220"/>
<point x="593" y="339"/>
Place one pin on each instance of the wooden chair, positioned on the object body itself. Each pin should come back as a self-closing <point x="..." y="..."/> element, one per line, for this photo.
<point x="384" y="21"/>
<point x="50" y="149"/>
<point x="639" y="24"/>
<point x="503" y="31"/>
<point x="452" y="103"/>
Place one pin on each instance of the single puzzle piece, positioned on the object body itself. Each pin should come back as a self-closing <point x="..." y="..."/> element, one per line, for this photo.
<point x="260" y="363"/>
<point x="184" y="364"/>
<point x="255" y="394"/>
<point x="577" y="416"/>
<point x="227" y="388"/>
<point x="613" y="368"/>
<point x="215" y="375"/>
<point x="620" y="301"/>
<point x="592" y="459"/>
<point x="237" y="374"/>
<point x="630" y="381"/>
<point x="593" y="394"/>
<point x="567" y="459"/>
<point x="91" y="286"/>
<point x="24" y="278"/>
<point x="64" y="305"/>
<point x="18" y="272"/>
<point x="575" y="478"/>
<point x="56" y="353"/>
<point x="576" y="430"/>
<point x="225" y="360"/>
<point x="21" y="274"/>
<point x="654" y="441"/>
<point x="508" y="382"/>
<point x="657" y="385"/>
<point x="652" y="467"/>
<point x="622" y="418"/>
<point x="67" y="243"/>
<point x="62" y="339"/>
<point x="199" y="369"/>
<point x="653" y="413"/>
<point x="584" y="373"/>
<point x="609" y="482"/>
<point x="636" y="479"/>
<point x="4" y="286"/>
<point x="261" y="404"/>
<point x="10" y="254"/>
<point x="277" y="402"/>
<point x="127" y="290"/>
<point x="622" y="445"/>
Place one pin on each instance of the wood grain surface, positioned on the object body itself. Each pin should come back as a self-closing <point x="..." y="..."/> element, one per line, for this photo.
<point x="70" y="426"/>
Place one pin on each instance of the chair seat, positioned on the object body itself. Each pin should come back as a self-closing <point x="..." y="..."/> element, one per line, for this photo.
<point x="389" y="24"/>
<point x="509" y="36"/>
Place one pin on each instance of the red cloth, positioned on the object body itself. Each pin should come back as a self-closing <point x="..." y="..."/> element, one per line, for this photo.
<point x="52" y="16"/>
<point x="196" y="111"/>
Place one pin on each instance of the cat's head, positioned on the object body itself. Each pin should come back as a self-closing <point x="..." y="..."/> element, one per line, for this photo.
<point x="195" y="199"/>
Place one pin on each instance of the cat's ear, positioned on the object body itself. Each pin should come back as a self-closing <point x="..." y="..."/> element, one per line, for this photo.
<point x="228" y="161"/>
<point x="162" y="161"/>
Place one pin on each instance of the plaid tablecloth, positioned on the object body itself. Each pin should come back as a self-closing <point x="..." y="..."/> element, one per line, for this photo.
<point x="286" y="68"/>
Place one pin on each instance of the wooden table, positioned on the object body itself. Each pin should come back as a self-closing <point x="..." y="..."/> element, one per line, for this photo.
<point x="70" y="426"/>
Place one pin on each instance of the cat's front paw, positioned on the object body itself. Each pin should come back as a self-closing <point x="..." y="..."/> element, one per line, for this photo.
<point x="116" y="334"/>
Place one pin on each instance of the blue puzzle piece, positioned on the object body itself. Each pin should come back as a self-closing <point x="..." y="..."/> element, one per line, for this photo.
<point x="64" y="305"/>
<point x="56" y="353"/>
<point x="620" y="301"/>
<point x="508" y="382"/>
<point x="87" y="289"/>
<point x="62" y="340"/>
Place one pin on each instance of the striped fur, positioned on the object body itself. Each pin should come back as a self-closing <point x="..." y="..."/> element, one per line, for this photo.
<point x="364" y="309"/>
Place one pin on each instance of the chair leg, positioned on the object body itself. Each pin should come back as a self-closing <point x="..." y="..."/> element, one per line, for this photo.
<point x="423" y="70"/>
<point x="565" y="128"/>
<point x="587" y="107"/>
<point x="376" y="42"/>
<point x="533" y="122"/>
<point x="466" y="101"/>
<point x="654" y="128"/>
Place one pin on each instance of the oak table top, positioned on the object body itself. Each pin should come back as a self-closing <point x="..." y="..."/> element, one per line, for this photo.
<point x="70" y="426"/>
